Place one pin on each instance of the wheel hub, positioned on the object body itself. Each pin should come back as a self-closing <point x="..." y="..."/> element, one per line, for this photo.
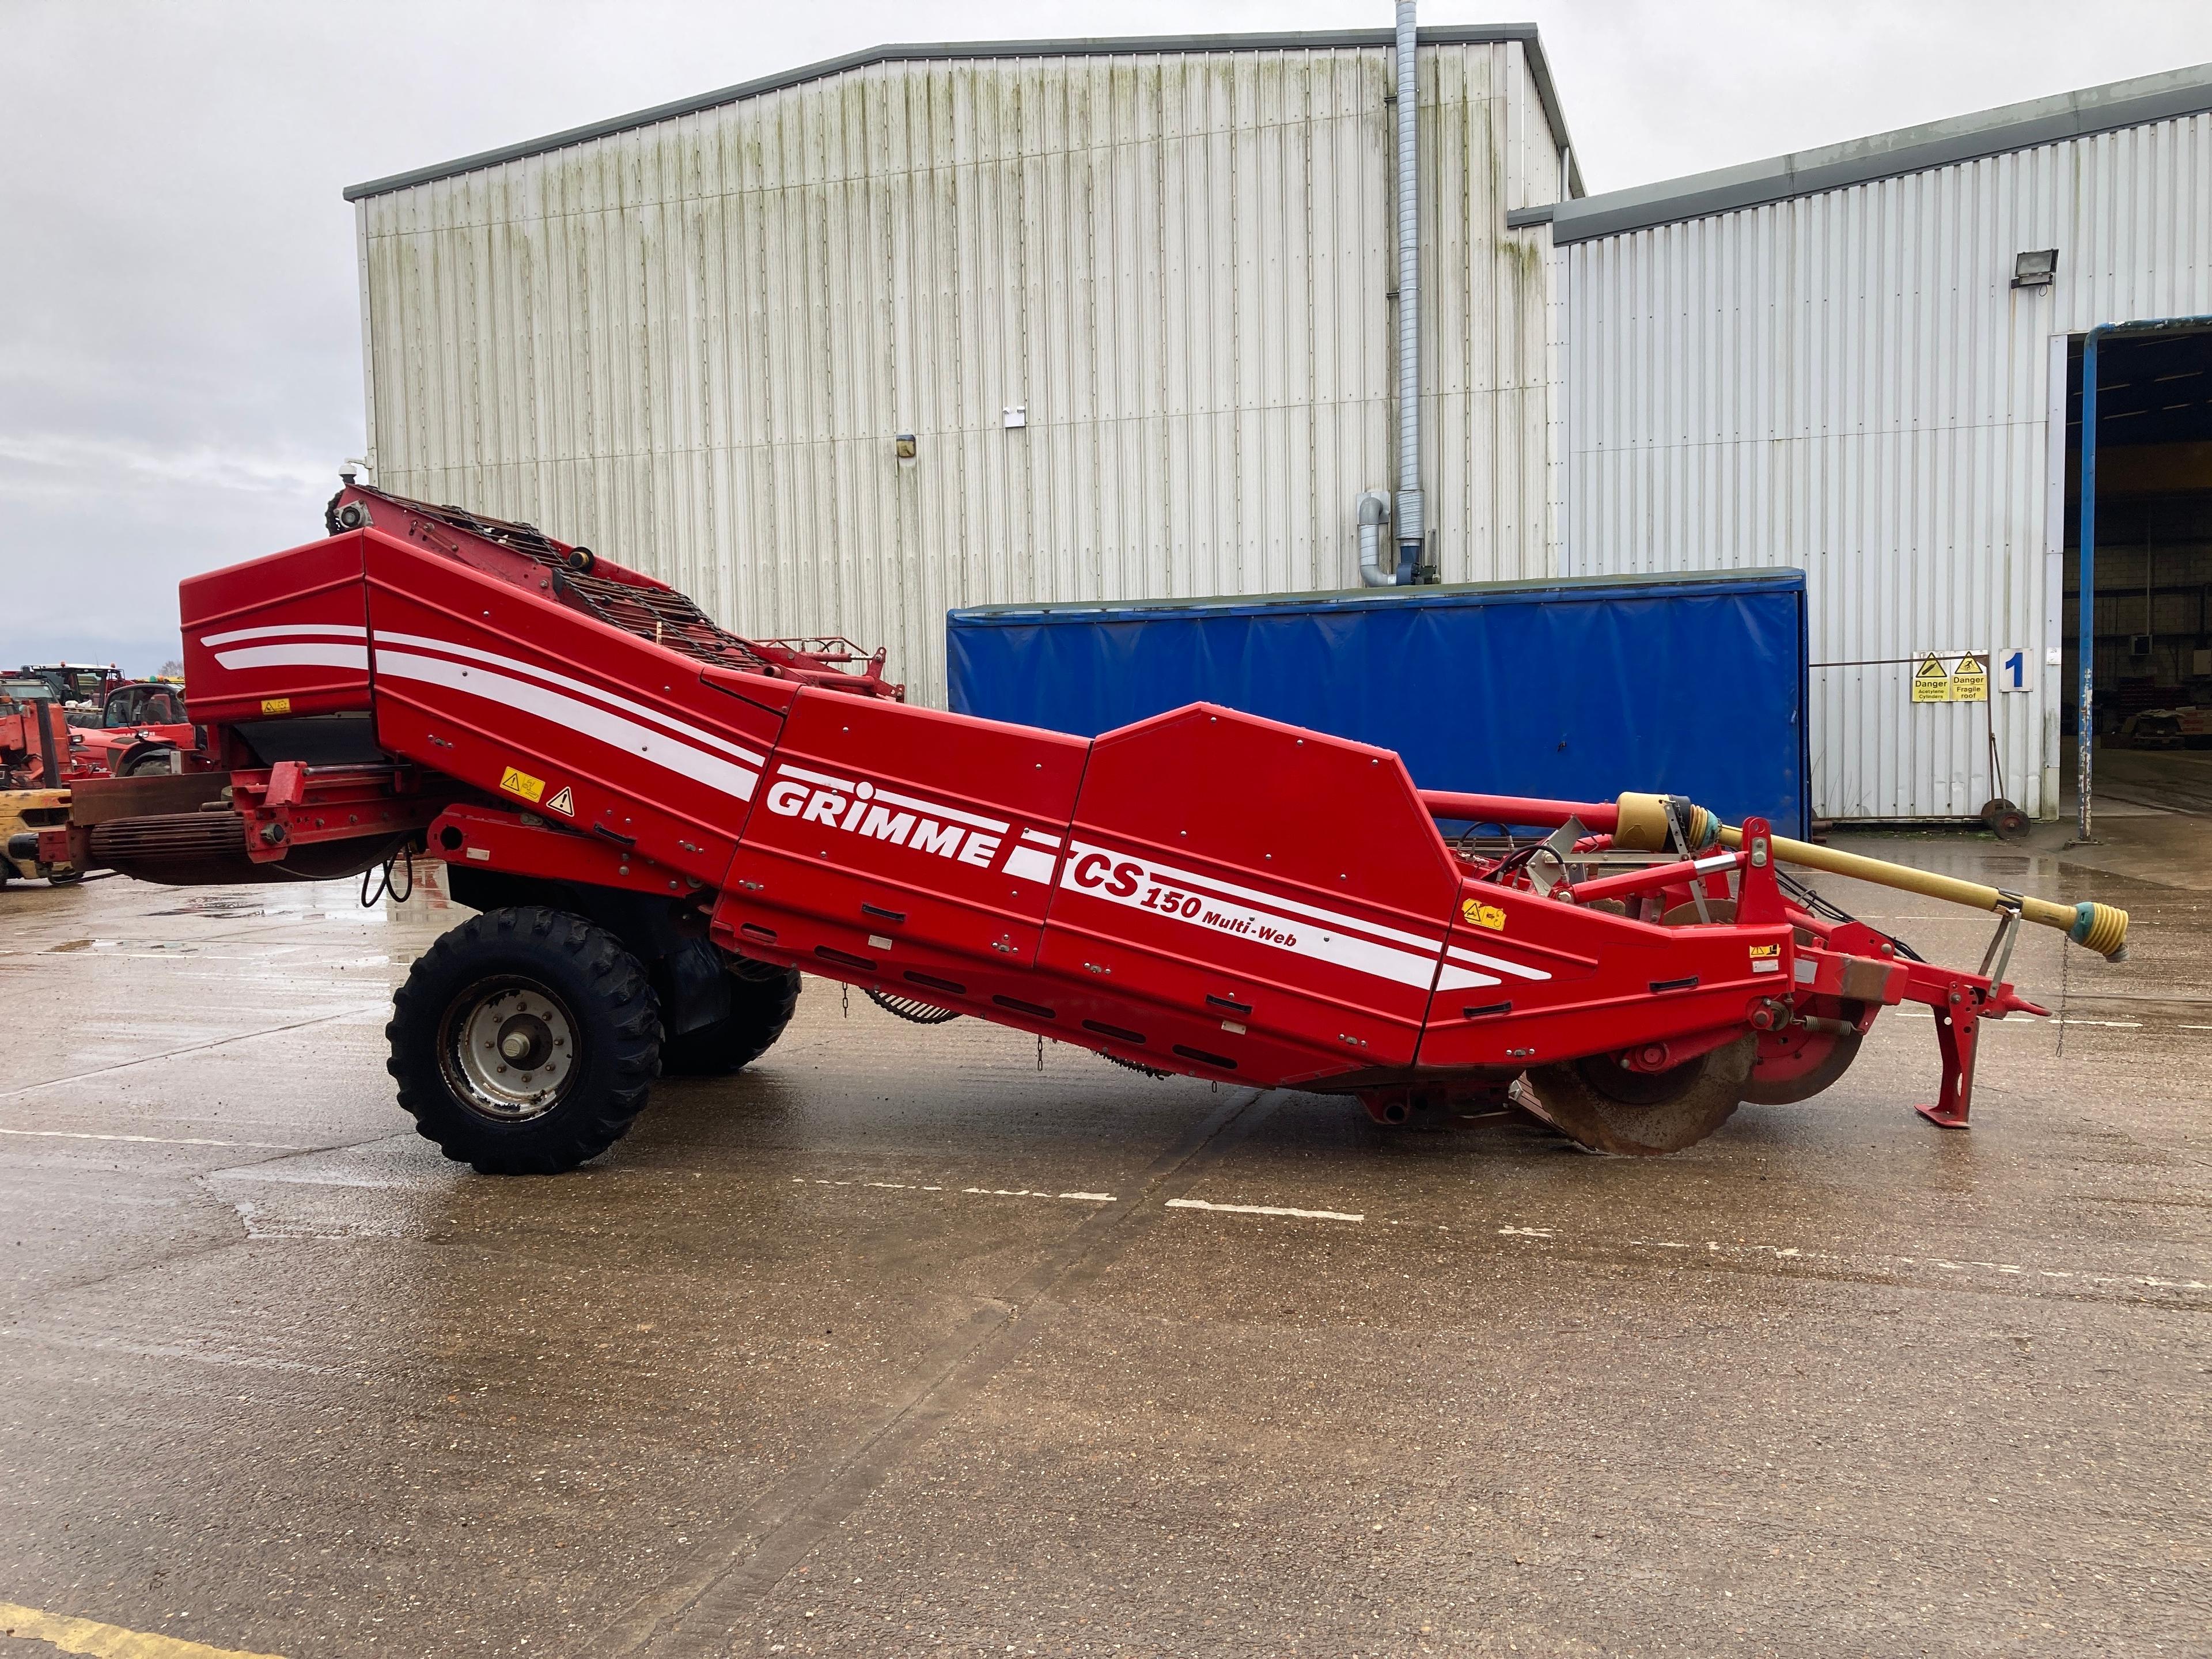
<point x="511" y="1050"/>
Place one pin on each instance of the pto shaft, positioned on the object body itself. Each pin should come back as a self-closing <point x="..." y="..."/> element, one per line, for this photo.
<point x="2099" y="926"/>
<point x="1641" y="823"/>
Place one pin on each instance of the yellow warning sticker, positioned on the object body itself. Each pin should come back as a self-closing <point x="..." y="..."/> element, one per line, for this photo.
<point x="521" y="783"/>
<point x="1758" y="951"/>
<point x="1931" y="681"/>
<point x="1969" y="681"/>
<point x="1483" y="915"/>
<point x="276" y="705"/>
<point x="563" y="801"/>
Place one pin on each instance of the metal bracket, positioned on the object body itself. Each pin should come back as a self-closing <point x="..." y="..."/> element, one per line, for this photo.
<point x="1559" y="843"/>
<point x="1998" y="957"/>
<point x="1680" y="835"/>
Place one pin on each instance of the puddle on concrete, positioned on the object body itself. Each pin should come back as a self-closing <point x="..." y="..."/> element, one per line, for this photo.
<point x="217" y="904"/>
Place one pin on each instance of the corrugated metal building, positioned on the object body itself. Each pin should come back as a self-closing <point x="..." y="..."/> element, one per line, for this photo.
<point x="1131" y="299"/>
<point x="1824" y="360"/>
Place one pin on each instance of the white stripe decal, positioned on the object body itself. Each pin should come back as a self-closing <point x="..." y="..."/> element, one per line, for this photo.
<point x="1519" y="970"/>
<point x="785" y="768"/>
<point x="938" y="811"/>
<point x="1460" y="979"/>
<point x="289" y="631"/>
<point x="935" y="809"/>
<point x="1041" y="839"/>
<point x="588" y="719"/>
<point x="1312" y="913"/>
<point x="1217" y="915"/>
<point x="299" y="653"/>
<point x="1029" y="864"/>
<point x="553" y="676"/>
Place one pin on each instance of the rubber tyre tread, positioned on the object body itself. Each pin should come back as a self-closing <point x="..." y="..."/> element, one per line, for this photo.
<point x="1596" y="1119"/>
<point x="759" y="1010"/>
<point x="618" y="1031"/>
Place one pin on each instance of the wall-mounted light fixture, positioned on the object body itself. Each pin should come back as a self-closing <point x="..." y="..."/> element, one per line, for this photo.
<point x="905" y="445"/>
<point x="1015" y="414"/>
<point x="2037" y="270"/>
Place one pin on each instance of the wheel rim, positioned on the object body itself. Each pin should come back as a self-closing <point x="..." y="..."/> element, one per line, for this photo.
<point x="509" y="1049"/>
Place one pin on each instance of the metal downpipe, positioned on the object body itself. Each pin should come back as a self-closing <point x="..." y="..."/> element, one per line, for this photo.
<point x="1410" y="531"/>
<point x="1374" y="512"/>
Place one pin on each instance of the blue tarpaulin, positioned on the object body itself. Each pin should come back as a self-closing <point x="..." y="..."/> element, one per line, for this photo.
<point x="1576" y="689"/>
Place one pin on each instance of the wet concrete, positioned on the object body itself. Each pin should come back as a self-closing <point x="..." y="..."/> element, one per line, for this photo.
<point x="901" y="1343"/>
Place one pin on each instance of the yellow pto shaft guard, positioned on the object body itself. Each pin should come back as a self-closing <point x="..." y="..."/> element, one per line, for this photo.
<point x="2100" y="928"/>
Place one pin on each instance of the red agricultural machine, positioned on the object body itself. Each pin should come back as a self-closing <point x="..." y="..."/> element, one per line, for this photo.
<point x="139" y="729"/>
<point x="36" y="770"/>
<point x="661" y="823"/>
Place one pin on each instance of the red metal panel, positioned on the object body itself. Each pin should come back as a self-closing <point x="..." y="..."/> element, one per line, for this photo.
<point x="275" y="636"/>
<point x="1527" y="980"/>
<point x="593" y="728"/>
<point x="889" y="839"/>
<point x="501" y="840"/>
<point x="1284" y="888"/>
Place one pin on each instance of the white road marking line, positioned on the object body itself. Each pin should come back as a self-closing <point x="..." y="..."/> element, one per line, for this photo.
<point x="979" y="1192"/>
<point x="157" y="1141"/>
<point x="1781" y="1252"/>
<point x="1261" y="1209"/>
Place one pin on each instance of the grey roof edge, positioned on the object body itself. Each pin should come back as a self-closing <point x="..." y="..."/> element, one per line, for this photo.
<point x="1890" y="155"/>
<point x="917" y="51"/>
<point x="1782" y="576"/>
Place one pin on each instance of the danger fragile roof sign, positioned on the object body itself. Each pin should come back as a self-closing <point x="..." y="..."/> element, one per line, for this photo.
<point x="1962" y="679"/>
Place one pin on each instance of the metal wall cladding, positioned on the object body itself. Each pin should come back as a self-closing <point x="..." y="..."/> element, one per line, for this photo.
<point x="1848" y="383"/>
<point x="692" y="345"/>
<point x="1575" y="690"/>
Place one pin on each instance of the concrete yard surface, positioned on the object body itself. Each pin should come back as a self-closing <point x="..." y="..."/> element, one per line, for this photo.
<point x="920" y="1340"/>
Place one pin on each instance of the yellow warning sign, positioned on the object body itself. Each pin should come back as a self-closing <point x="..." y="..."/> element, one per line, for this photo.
<point x="1969" y="681"/>
<point x="1483" y="915"/>
<point x="564" y="802"/>
<point x="1931" y="681"/>
<point x="521" y="783"/>
<point x="276" y="705"/>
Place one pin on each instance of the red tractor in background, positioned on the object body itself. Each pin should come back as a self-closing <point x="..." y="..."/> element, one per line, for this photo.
<point x="141" y="730"/>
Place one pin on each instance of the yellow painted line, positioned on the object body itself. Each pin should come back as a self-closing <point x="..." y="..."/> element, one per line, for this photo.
<point x="107" y="1641"/>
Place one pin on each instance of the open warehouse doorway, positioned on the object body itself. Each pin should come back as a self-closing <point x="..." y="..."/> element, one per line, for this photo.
<point x="2150" y="633"/>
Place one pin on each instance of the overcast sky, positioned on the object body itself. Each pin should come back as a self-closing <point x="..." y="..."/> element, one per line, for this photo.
<point x="179" y="325"/>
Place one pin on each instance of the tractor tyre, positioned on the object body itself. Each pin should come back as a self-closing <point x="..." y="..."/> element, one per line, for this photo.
<point x="759" y="1010"/>
<point x="525" y="1042"/>
<point x="1601" y="1104"/>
